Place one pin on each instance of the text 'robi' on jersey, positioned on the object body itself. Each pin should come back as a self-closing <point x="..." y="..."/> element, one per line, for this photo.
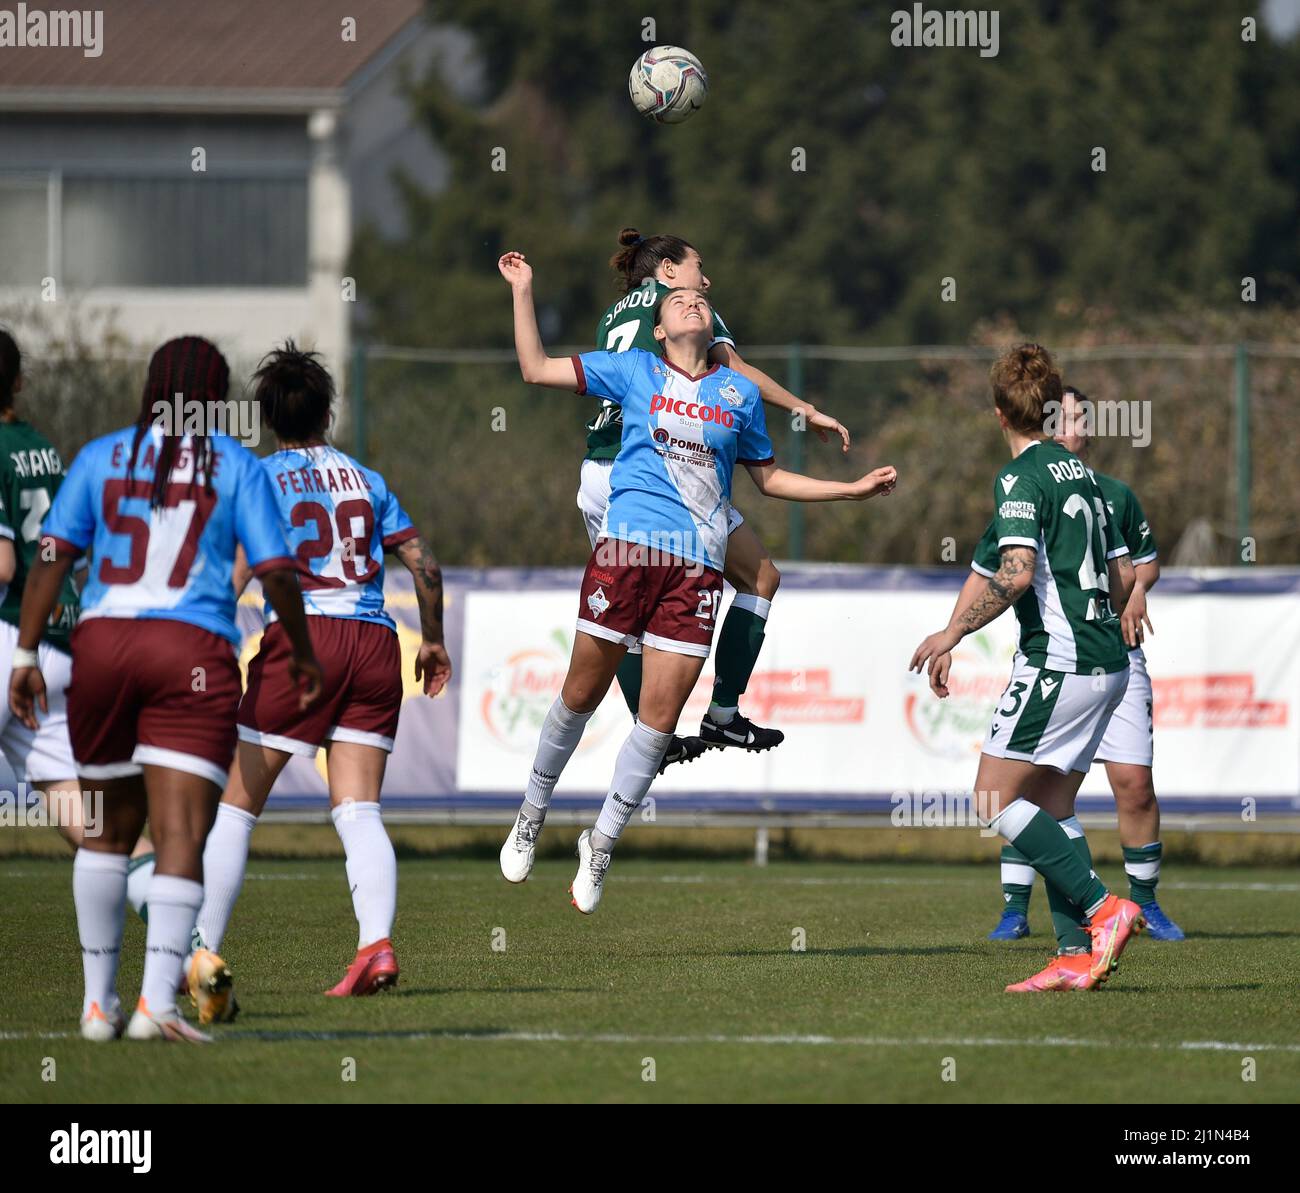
<point x="340" y="518"/>
<point x="176" y="561"/>
<point x="670" y="487"/>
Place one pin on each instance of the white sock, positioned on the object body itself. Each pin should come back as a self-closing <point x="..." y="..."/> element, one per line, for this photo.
<point x="139" y="874"/>
<point x="99" y="895"/>
<point x="371" y="866"/>
<point x="722" y="714"/>
<point x="634" y="771"/>
<point x="174" y="904"/>
<point x="1018" y="874"/>
<point x="561" y="732"/>
<point x="225" y="858"/>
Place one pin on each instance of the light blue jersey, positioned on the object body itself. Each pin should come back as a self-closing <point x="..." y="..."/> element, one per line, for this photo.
<point x="174" y="562"/>
<point x="670" y="487"/>
<point x="340" y="518"/>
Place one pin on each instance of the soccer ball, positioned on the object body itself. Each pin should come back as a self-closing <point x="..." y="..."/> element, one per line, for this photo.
<point x="667" y="84"/>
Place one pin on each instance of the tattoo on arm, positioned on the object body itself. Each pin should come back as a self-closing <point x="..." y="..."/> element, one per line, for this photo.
<point x="418" y="558"/>
<point x="1003" y="589"/>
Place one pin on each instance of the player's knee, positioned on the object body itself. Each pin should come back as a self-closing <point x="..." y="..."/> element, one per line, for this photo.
<point x="1134" y="789"/>
<point x="768" y="580"/>
<point x="581" y="696"/>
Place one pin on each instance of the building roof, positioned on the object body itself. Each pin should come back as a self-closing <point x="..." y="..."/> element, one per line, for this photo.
<point x="279" y="55"/>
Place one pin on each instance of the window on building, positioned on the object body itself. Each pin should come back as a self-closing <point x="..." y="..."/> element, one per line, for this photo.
<point x="117" y="230"/>
<point x="24" y="230"/>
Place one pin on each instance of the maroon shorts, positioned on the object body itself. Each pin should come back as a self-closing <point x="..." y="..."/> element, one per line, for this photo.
<point x="133" y="698"/>
<point x="360" y="699"/>
<point x="644" y="597"/>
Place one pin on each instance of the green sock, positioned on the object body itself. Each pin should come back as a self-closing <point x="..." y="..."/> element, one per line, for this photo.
<point x="1068" y="919"/>
<point x="1015" y="894"/>
<point x="739" y="642"/>
<point x="1040" y="839"/>
<point x="629" y="681"/>
<point x="1142" y="865"/>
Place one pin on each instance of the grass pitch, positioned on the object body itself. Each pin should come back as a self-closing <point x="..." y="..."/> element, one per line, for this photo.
<point x="687" y="974"/>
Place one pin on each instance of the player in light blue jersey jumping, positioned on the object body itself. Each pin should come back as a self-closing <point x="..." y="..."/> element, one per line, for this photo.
<point x="340" y="517"/>
<point x="655" y="575"/>
<point x="155" y="682"/>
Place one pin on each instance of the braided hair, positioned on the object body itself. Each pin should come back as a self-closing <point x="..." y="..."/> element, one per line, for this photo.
<point x="188" y="369"/>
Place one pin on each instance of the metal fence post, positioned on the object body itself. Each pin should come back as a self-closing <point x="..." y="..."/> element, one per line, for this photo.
<point x="359" y="402"/>
<point x="794" y="383"/>
<point x="1243" y="448"/>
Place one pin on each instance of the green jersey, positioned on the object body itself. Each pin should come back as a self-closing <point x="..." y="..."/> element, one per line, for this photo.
<point x="1126" y="513"/>
<point x="1046" y="499"/>
<point x="31" y="472"/>
<point x="630" y="323"/>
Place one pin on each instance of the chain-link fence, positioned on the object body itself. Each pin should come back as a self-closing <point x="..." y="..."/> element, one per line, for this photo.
<point x="489" y="466"/>
<point x="1202" y="433"/>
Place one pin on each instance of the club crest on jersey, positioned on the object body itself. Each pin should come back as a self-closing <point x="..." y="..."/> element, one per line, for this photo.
<point x="1008" y="483"/>
<point x="598" y="602"/>
<point x="731" y="395"/>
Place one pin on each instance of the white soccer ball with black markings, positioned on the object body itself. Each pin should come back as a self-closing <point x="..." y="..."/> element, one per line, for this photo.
<point x="668" y="84"/>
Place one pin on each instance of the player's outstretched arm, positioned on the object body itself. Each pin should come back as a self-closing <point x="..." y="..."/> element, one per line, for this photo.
<point x="793" y="486"/>
<point x="40" y="594"/>
<point x="537" y="368"/>
<point x="8" y="560"/>
<point x="432" y="664"/>
<point x="280" y="586"/>
<point x="775" y="394"/>
<point x="995" y="597"/>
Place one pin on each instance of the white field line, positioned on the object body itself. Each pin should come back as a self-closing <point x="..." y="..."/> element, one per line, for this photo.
<point x="980" y="875"/>
<point x="761" y="1041"/>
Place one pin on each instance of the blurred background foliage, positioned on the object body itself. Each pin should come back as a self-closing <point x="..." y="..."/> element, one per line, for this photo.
<point x="921" y="165"/>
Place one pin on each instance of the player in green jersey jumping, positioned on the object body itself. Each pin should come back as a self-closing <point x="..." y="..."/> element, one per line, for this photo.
<point x="1061" y="563"/>
<point x="648" y="268"/>
<point x="31" y="472"/>
<point x="1127" y="748"/>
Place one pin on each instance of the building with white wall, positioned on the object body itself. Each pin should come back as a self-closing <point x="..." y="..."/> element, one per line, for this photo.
<point x="203" y="173"/>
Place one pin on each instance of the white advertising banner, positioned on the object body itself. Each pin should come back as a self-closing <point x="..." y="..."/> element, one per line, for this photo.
<point x="833" y="676"/>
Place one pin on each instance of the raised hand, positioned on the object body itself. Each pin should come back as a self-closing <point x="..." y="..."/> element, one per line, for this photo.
<point x="515" y="269"/>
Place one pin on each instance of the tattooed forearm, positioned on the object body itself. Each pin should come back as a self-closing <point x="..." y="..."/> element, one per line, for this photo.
<point x="1013" y="577"/>
<point x="426" y="573"/>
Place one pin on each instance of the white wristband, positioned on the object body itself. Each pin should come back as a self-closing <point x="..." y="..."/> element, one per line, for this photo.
<point x="25" y="658"/>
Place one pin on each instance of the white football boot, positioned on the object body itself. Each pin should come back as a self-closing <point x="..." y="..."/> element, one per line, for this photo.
<point x="590" y="879"/>
<point x="102" y="1026"/>
<point x="520" y="848"/>
<point x="170" y="1027"/>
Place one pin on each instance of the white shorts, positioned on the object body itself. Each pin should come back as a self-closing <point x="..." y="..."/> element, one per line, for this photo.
<point x="1053" y="718"/>
<point x="593" y="499"/>
<point x="37" y="756"/>
<point x="1130" y="735"/>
